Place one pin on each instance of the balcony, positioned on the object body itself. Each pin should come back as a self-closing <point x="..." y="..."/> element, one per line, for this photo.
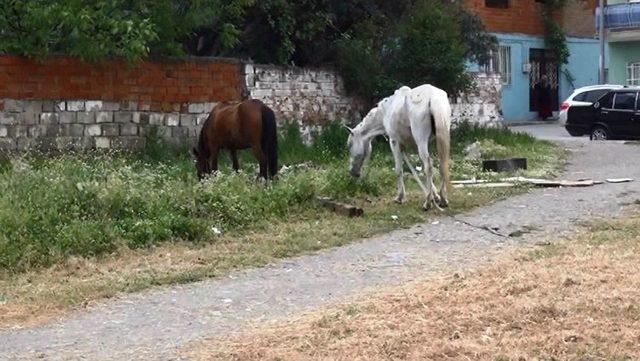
<point x="622" y="21"/>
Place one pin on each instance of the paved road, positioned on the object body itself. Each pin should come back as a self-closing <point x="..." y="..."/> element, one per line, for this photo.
<point x="550" y="131"/>
<point x="155" y="324"/>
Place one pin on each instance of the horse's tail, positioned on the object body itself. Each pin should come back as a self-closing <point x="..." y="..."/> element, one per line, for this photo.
<point x="441" y="113"/>
<point x="269" y="140"/>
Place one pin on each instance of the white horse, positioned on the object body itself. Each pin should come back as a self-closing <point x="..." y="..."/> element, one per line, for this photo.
<point x="409" y="116"/>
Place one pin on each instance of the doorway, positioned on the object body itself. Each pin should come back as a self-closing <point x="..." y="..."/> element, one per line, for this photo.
<point x="542" y="63"/>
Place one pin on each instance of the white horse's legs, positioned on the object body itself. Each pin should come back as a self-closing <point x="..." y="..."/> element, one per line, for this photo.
<point x="432" y="194"/>
<point x="397" y="157"/>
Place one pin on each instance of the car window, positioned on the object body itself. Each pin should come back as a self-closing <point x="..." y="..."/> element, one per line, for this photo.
<point x="594" y="95"/>
<point x="625" y="101"/>
<point x="580" y="97"/>
<point x="606" y="101"/>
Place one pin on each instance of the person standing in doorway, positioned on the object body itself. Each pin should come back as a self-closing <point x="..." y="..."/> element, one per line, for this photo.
<point x="543" y="97"/>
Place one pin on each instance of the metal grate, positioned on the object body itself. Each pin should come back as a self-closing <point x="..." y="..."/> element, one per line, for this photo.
<point x="633" y="73"/>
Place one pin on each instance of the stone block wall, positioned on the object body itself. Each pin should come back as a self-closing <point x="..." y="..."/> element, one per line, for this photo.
<point x="68" y="104"/>
<point x="89" y="124"/>
<point x="309" y="96"/>
<point x="482" y="105"/>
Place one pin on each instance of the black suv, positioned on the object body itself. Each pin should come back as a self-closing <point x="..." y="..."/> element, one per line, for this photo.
<point x="616" y="115"/>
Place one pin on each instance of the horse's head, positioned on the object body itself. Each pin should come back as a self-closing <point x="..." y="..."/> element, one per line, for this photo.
<point x="359" y="145"/>
<point x="202" y="166"/>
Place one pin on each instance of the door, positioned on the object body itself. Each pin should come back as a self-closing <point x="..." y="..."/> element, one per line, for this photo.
<point x="619" y="118"/>
<point x="542" y="63"/>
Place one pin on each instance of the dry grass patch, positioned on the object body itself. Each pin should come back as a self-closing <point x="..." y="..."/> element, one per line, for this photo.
<point x="576" y="301"/>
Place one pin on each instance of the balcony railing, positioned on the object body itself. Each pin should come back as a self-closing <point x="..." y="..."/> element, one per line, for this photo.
<point x="620" y="16"/>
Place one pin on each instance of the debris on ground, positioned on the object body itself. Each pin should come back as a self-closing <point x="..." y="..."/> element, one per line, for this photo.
<point x="341" y="208"/>
<point x="619" y="180"/>
<point x="504" y="165"/>
<point x="513" y="181"/>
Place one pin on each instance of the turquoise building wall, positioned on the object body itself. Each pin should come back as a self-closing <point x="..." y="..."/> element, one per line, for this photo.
<point x="583" y="66"/>
<point x="621" y="53"/>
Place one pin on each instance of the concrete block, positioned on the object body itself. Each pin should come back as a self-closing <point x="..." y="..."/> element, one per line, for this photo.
<point x="49" y="118"/>
<point x="75" y="105"/>
<point x="4" y="131"/>
<point x="86" y="117"/>
<point x="72" y="130"/>
<point x="61" y="106"/>
<point x="129" y="105"/>
<point x="144" y="118"/>
<point x="93" y="105"/>
<point x="196" y="108"/>
<point x="173" y="119"/>
<point x="12" y="105"/>
<point x="187" y="120"/>
<point x="156" y="118"/>
<point x="68" y="117"/>
<point x="123" y="117"/>
<point x="93" y="130"/>
<point x="208" y="107"/>
<point x="127" y="142"/>
<point x="32" y="106"/>
<point x="104" y="117"/>
<point x="111" y="106"/>
<point x="201" y="118"/>
<point x="135" y="117"/>
<point x="26" y="143"/>
<point x="18" y="131"/>
<point x="129" y="129"/>
<point x="179" y="132"/>
<point x="8" y="144"/>
<point x="103" y="143"/>
<point x="9" y="118"/>
<point x="48" y="106"/>
<point x="111" y="129"/>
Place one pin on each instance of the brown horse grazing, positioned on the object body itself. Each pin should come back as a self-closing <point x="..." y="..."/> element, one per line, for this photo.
<point x="234" y="126"/>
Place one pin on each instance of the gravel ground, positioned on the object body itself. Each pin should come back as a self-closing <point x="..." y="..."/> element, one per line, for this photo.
<point x="153" y="325"/>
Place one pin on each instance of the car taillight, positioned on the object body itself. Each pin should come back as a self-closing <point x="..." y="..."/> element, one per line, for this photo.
<point x="564" y="106"/>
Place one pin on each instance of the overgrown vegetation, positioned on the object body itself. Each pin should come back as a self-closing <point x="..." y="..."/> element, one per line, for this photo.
<point x="90" y="205"/>
<point x="377" y="45"/>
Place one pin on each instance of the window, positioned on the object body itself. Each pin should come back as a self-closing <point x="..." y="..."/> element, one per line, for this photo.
<point x="633" y="73"/>
<point x="594" y="95"/>
<point x="607" y="101"/>
<point x="501" y="4"/>
<point x="500" y="62"/>
<point x="591" y="96"/>
<point x="625" y="101"/>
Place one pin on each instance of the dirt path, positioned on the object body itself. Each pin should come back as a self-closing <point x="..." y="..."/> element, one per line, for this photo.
<point x="152" y="325"/>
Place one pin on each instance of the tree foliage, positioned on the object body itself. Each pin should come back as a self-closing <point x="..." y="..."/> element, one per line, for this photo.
<point x="377" y="44"/>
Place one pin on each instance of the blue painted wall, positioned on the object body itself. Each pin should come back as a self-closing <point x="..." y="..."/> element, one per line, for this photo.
<point x="583" y="66"/>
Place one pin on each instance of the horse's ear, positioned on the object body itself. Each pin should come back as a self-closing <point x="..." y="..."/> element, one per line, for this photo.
<point x="349" y="129"/>
<point x="194" y="151"/>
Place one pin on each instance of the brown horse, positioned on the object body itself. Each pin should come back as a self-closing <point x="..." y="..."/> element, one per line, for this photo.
<point x="234" y="126"/>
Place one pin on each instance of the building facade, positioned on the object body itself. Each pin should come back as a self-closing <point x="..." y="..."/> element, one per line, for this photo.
<point x="622" y="26"/>
<point x="522" y="58"/>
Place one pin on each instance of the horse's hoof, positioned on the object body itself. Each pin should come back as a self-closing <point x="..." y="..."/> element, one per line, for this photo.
<point x="399" y="200"/>
<point x="426" y="206"/>
<point x="444" y="203"/>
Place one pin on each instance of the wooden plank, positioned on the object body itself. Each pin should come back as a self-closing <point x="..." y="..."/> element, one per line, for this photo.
<point x="619" y="180"/>
<point x="485" y="185"/>
<point x="341" y="208"/>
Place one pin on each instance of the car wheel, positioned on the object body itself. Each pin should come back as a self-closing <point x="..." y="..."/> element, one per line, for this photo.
<point x="600" y="133"/>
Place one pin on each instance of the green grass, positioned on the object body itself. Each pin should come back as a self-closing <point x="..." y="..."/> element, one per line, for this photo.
<point x="94" y="204"/>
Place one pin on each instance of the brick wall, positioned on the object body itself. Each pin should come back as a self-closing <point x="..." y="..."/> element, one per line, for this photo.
<point x="482" y="105"/>
<point x="524" y="16"/>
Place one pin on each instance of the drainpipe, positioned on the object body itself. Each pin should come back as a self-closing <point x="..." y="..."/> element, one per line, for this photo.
<point x="601" y="37"/>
